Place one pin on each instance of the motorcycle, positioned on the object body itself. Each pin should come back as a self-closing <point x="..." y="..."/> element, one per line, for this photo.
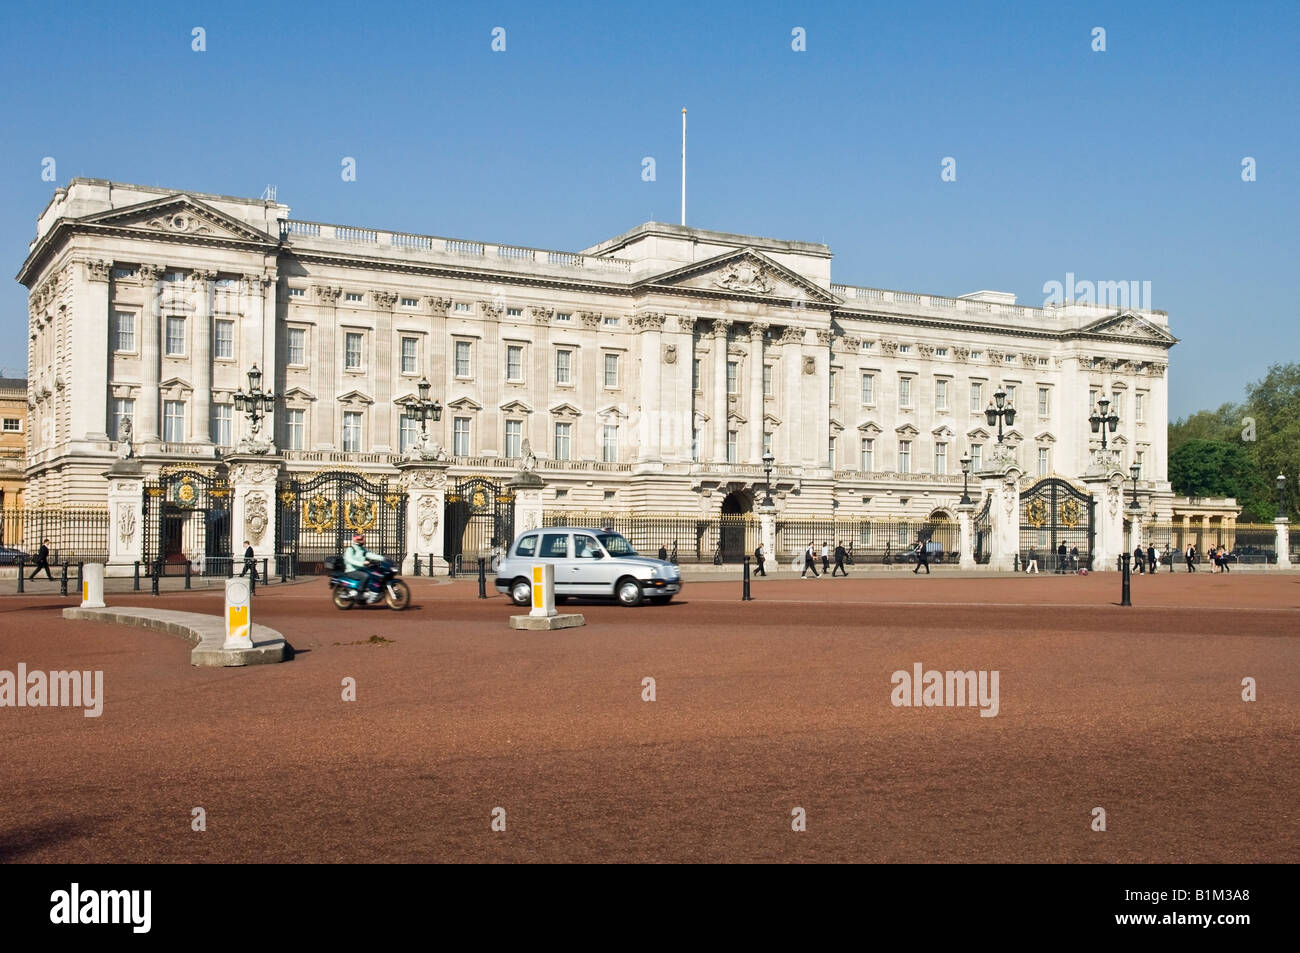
<point x="347" y="592"/>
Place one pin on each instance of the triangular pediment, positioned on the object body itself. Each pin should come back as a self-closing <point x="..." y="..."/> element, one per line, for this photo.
<point x="736" y="417"/>
<point x="836" y="425"/>
<point x="565" y="410"/>
<point x="179" y="215"/>
<point x="613" y="410"/>
<point x="869" y="426"/>
<point x="1130" y="325"/>
<point x="746" y="273"/>
<point x="1013" y="435"/>
<point x="354" y="397"/>
<point x="906" y="430"/>
<point x="299" y="393"/>
<point x="943" y="433"/>
<point x="516" y="407"/>
<point x="771" y="420"/>
<point x="173" y="384"/>
<point x="979" y="433"/>
<point x="465" y="403"/>
<point x="1045" y="437"/>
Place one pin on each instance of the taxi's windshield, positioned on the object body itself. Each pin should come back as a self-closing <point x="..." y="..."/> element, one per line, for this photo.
<point x="616" y="544"/>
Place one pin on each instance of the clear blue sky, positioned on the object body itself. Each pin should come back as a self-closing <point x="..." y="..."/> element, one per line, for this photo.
<point x="1122" y="165"/>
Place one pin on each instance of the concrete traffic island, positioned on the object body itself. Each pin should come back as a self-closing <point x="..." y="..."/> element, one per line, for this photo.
<point x="206" y="633"/>
<point x="561" y="620"/>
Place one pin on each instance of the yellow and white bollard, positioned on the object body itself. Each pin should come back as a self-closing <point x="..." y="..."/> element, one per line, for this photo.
<point x="239" y="615"/>
<point x="543" y="587"/>
<point x="92" y="586"/>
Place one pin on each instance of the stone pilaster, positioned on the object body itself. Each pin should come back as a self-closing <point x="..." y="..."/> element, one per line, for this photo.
<point x="425" y="484"/>
<point x="767" y="534"/>
<point x="1004" y="516"/>
<point x="720" y="329"/>
<point x="1283" y="529"/>
<point x="125" y="517"/>
<point x="966" y="535"/>
<point x="253" y="481"/>
<point x="754" y="454"/>
<point x="90" y="342"/>
<point x="147" y="404"/>
<point x="527" y="487"/>
<point x="201" y="411"/>
<point x="651" y="339"/>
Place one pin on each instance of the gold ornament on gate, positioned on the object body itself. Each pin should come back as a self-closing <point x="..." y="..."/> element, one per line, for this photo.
<point x="319" y="514"/>
<point x="185" y="492"/>
<point x="1071" y="514"/>
<point x="1036" y="513"/>
<point x="360" y="515"/>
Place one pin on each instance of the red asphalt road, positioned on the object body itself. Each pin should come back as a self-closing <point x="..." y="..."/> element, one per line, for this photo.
<point x="761" y="707"/>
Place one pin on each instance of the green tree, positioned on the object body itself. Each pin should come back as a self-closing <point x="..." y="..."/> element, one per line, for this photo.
<point x="1274" y="405"/>
<point x="1223" y="425"/>
<point x="1219" y="468"/>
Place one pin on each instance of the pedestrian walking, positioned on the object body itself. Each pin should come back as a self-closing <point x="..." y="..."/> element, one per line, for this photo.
<point x="1139" y="559"/>
<point x="808" y="563"/>
<point x="663" y="552"/>
<point x="1191" y="558"/>
<point x="1074" y="557"/>
<point x="1060" y="558"/>
<point x="826" y="558"/>
<point x="43" y="560"/>
<point x="922" y="559"/>
<point x="759" y="559"/>
<point x="1031" y="561"/>
<point x="672" y="556"/>
<point x="250" y="564"/>
<point x="1151" y="558"/>
<point x="839" y="560"/>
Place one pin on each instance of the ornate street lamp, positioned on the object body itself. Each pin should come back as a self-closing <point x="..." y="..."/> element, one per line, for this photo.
<point x="1101" y="420"/>
<point x="1135" y="471"/>
<point x="965" y="480"/>
<point x="255" y="403"/>
<point x="423" y="409"/>
<point x="1281" y="496"/>
<point x="768" y="460"/>
<point x="1002" y="411"/>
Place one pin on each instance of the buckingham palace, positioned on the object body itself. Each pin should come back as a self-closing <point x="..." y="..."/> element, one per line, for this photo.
<point x="666" y="370"/>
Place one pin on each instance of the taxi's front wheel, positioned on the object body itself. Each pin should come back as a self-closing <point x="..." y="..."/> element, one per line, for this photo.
<point x="628" y="591"/>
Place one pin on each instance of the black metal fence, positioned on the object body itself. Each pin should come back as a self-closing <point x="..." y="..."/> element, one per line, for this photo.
<point x="75" y="534"/>
<point x="1248" y="543"/>
<point x="884" y="541"/>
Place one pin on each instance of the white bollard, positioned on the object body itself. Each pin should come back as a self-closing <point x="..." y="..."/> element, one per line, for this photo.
<point x="92" y="586"/>
<point x="239" y="615"/>
<point x="543" y="591"/>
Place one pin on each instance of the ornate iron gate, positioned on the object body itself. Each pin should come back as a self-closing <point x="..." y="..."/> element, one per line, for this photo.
<point x="318" y="517"/>
<point x="1053" y="512"/>
<point x="982" y="531"/>
<point x="480" y="517"/>
<point x="186" y="516"/>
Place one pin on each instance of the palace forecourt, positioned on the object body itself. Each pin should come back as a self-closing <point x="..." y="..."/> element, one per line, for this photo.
<point x="645" y="377"/>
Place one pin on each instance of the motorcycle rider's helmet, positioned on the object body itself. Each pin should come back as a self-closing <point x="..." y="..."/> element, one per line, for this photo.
<point x="359" y="538"/>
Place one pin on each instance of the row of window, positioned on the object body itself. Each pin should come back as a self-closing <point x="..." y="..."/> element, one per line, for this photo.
<point x="174" y="336"/>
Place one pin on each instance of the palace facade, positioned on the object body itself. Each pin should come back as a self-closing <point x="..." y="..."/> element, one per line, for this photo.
<point x="650" y="372"/>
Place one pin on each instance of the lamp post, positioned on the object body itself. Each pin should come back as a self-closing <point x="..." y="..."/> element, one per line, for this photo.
<point x="1101" y="419"/>
<point x="423" y="409"/>
<point x="255" y="403"/>
<point x="1281" y="496"/>
<point x="1135" y="471"/>
<point x="965" y="480"/>
<point x="768" y="460"/>
<point x="999" y="410"/>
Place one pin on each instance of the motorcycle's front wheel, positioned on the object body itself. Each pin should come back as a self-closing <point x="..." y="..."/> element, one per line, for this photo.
<point x="398" y="595"/>
<point x="343" y="598"/>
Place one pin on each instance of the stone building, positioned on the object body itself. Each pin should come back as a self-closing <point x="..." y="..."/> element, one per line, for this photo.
<point x="13" y="437"/>
<point x="648" y="373"/>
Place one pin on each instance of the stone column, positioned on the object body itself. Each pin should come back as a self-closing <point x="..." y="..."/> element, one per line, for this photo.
<point x="385" y="373"/>
<point x="650" y="327"/>
<point x="1107" y="489"/>
<point x="1135" y="530"/>
<point x="757" y="330"/>
<point x="125" y="517"/>
<point x="966" y="535"/>
<point x="201" y="362"/>
<point x="1004" y="517"/>
<point x="790" y="449"/>
<point x="146" y="409"/>
<point x="252" y="508"/>
<point x="720" y="329"/>
<point x="90" y="344"/>
<point x="326" y="432"/>
<point x="425" y="484"/>
<point x="1283" y="530"/>
<point x="527" y="487"/>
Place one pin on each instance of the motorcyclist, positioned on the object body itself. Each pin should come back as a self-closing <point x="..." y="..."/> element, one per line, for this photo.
<point x="356" y="560"/>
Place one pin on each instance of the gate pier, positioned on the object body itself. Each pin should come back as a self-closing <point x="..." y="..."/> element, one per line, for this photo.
<point x="252" y="482"/>
<point x="126" y="515"/>
<point x="425" y="484"/>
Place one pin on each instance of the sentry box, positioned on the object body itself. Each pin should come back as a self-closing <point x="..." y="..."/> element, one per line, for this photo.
<point x="239" y="615"/>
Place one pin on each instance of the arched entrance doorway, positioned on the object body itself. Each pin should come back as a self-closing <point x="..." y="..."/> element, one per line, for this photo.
<point x="734" y="521"/>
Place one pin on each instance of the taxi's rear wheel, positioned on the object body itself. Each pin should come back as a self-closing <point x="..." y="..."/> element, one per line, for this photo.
<point x="628" y="591"/>
<point x="521" y="592"/>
